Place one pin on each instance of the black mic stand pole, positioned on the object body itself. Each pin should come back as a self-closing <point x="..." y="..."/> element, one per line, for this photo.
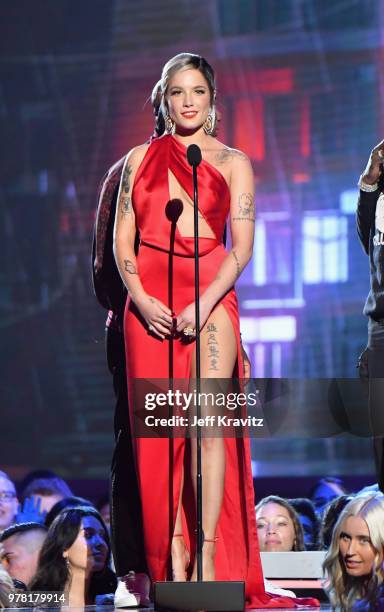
<point x="199" y="479"/>
<point x="220" y="596"/>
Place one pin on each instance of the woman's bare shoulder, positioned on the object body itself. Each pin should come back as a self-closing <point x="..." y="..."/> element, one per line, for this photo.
<point x="227" y="155"/>
<point x="136" y="155"/>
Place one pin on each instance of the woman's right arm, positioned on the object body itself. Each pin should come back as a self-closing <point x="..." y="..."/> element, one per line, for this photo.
<point x="157" y="316"/>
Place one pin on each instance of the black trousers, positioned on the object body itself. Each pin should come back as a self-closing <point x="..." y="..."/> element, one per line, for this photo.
<point x="126" y="516"/>
<point x="372" y="367"/>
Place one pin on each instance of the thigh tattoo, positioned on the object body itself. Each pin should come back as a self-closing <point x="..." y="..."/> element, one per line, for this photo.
<point x="213" y="346"/>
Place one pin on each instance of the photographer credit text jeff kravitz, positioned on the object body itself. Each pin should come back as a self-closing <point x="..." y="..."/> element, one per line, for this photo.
<point x="185" y="401"/>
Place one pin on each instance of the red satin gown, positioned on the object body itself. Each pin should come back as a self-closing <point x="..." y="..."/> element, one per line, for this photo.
<point x="160" y="462"/>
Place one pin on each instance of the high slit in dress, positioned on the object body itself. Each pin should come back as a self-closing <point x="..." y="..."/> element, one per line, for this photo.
<point x="160" y="461"/>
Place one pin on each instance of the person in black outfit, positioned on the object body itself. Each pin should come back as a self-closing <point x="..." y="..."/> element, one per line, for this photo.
<point x="126" y="521"/>
<point x="126" y="517"/>
<point x="370" y="227"/>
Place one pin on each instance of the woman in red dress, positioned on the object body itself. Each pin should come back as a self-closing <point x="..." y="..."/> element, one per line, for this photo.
<point x="159" y="328"/>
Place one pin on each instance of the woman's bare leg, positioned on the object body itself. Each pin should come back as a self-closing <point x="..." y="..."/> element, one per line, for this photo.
<point x="180" y="555"/>
<point x="218" y="358"/>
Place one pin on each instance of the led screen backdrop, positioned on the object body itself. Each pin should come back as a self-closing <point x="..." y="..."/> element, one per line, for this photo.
<point x="299" y="90"/>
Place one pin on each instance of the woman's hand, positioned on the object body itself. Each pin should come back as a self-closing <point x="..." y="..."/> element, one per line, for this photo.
<point x="374" y="168"/>
<point x="157" y="316"/>
<point x="186" y="319"/>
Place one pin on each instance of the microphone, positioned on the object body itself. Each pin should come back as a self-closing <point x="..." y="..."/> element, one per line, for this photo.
<point x="194" y="155"/>
<point x="173" y="210"/>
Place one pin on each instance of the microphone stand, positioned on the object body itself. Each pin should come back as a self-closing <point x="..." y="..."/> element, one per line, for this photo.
<point x="196" y="159"/>
<point x="219" y="596"/>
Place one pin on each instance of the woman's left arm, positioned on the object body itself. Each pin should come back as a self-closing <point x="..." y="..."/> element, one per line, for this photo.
<point x="242" y="224"/>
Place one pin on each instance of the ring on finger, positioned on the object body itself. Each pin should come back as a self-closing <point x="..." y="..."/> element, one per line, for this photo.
<point x="189" y="331"/>
<point x="151" y="328"/>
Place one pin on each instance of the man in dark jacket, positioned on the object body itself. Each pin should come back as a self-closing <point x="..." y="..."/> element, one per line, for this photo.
<point x="126" y="519"/>
<point x="370" y="227"/>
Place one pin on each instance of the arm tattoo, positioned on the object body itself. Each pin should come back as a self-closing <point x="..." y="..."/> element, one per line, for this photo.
<point x="125" y="184"/>
<point x="227" y="154"/>
<point x="238" y="271"/>
<point x="246" y="209"/>
<point x="126" y="204"/>
<point x="129" y="267"/>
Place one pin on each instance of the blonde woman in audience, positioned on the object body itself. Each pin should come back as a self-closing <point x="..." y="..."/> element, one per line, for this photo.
<point x="353" y="566"/>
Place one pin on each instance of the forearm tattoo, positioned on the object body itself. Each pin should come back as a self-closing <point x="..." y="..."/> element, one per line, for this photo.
<point x="227" y="154"/>
<point x="129" y="266"/>
<point x="213" y="346"/>
<point x="238" y="270"/>
<point x="126" y="202"/>
<point x="246" y="208"/>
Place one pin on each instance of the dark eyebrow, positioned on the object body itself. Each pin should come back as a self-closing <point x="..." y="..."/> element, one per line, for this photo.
<point x="195" y="87"/>
<point x="344" y="534"/>
<point x="265" y="518"/>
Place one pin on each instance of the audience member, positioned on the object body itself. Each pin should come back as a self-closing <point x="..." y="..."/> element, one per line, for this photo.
<point x="103" y="507"/>
<point x="34" y="475"/>
<point x="8" y="501"/>
<point x="373" y="488"/>
<point x="67" y="502"/>
<point x="278" y="525"/>
<point x="329" y="518"/>
<point x="353" y="566"/>
<point x="325" y="490"/>
<point x="48" y="490"/>
<point x="20" y="548"/>
<point x="75" y="557"/>
<point x="6" y="587"/>
<point x="309" y="521"/>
